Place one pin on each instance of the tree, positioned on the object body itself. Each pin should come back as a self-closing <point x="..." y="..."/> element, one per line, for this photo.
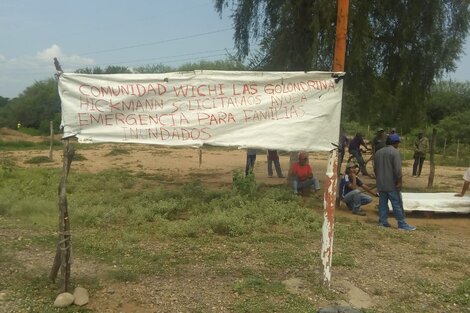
<point x="447" y="98"/>
<point x="396" y="49"/>
<point x="3" y="102"/>
<point x="38" y="102"/>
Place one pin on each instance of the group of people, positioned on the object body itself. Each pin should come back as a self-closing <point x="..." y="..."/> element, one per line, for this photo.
<point x="388" y="174"/>
<point x="387" y="170"/>
<point x="301" y="172"/>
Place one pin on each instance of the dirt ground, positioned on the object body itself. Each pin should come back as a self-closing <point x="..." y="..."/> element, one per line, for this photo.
<point x="214" y="166"/>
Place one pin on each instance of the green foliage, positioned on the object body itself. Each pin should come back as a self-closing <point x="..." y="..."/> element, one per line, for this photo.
<point x="7" y="166"/>
<point x="455" y="127"/>
<point x="117" y="151"/>
<point x="395" y="49"/>
<point x="447" y="98"/>
<point x="244" y="185"/>
<point x="21" y="145"/>
<point x="29" y="131"/>
<point x="79" y="157"/>
<point x="38" y="160"/>
<point x="111" y="69"/>
<point x="35" y="104"/>
<point x="221" y="65"/>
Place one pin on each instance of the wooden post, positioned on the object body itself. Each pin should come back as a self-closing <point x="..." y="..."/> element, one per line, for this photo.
<point x="51" y="141"/>
<point x="445" y="143"/>
<point x="63" y="252"/>
<point x="457" y="154"/>
<point x="431" y="158"/>
<point x="62" y="259"/>
<point x="200" y="157"/>
<point x="332" y="170"/>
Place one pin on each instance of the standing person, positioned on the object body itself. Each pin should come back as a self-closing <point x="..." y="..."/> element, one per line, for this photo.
<point x="379" y="140"/>
<point x="466" y="183"/>
<point x="273" y="157"/>
<point x="342" y="144"/>
<point x="302" y="176"/>
<point x="350" y="193"/>
<point x="355" y="149"/>
<point x="420" y="146"/>
<point x="388" y="173"/>
<point x="250" y="161"/>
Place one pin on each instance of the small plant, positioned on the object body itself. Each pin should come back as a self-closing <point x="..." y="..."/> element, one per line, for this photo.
<point x="38" y="160"/>
<point x="244" y="185"/>
<point x="79" y="157"/>
<point x="117" y="151"/>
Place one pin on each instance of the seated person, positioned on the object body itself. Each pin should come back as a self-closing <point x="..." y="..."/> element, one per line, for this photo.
<point x="350" y="193"/>
<point x="302" y="176"/>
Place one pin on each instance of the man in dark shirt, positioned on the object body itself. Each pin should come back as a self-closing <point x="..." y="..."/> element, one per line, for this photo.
<point x="355" y="149"/>
<point x="379" y="140"/>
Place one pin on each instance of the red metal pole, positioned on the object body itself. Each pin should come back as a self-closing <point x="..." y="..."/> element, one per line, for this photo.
<point x="332" y="169"/>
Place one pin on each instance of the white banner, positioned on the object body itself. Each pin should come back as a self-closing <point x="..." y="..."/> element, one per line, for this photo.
<point x="288" y="111"/>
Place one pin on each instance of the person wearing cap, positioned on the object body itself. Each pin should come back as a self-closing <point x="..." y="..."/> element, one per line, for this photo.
<point x="355" y="149"/>
<point x="350" y="193"/>
<point x="302" y="174"/>
<point x="379" y="140"/>
<point x="420" y="146"/>
<point x="466" y="183"/>
<point x="388" y="173"/>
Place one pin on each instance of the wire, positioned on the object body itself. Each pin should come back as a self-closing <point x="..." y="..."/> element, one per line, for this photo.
<point x="157" y="42"/>
<point x="164" y="57"/>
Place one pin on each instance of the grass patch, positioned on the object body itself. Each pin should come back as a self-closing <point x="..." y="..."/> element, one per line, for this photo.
<point x="38" y="160"/>
<point x="117" y="151"/>
<point x="247" y="239"/>
<point x="79" y="157"/>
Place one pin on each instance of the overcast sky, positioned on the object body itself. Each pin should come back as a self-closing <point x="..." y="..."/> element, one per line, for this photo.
<point x="89" y="33"/>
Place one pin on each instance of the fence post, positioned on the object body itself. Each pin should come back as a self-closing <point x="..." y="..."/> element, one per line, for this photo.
<point x="51" y="141"/>
<point x="431" y="158"/>
<point x="445" y="143"/>
<point x="457" y="156"/>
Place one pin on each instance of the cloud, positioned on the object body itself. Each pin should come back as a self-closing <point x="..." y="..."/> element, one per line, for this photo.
<point x="50" y="53"/>
<point x="74" y="61"/>
<point x="20" y="72"/>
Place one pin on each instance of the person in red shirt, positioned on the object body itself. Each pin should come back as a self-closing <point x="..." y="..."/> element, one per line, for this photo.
<point x="303" y="179"/>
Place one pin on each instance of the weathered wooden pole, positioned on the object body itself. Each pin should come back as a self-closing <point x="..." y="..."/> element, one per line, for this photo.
<point x="432" y="166"/>
<point x="200" y="157"/>
<point x="51" y="140"/>
<point x="62" y="259"/>
<point x="332" y="169"/>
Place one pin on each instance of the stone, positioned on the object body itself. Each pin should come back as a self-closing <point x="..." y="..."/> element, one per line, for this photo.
<point x="63" y="300"/>
<point x="3" y="296"/>
<point x="81" y="296"/>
